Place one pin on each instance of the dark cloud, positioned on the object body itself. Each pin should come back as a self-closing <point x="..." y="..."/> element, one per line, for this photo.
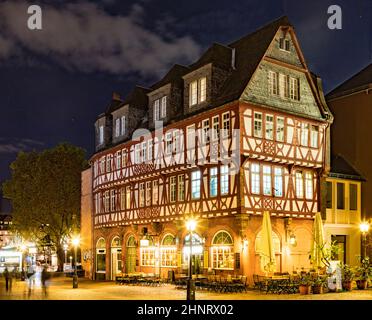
<point x="10" y="146"/>
<point x="84" y="37"/>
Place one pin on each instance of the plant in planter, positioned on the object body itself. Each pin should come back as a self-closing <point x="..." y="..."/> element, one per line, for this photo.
<point x="348" y="275"/>
<point x="319" y="283"/>
<point x="363" y="273"/>
<point x="305" y="284"/>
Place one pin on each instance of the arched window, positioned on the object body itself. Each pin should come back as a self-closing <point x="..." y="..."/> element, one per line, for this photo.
<point x="101" y="256"/>
<point x="131" y="242"/>
<point x="276" y="242"/>
<point x="168" y="251"/>
<point x="116" y="242"/>
<point x="222" y="251"/>
<point x="131" y="255"/>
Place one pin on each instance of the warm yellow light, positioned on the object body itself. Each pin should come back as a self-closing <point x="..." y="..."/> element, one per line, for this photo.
<point x="364" y="227"/>
<point x="191" y="225"/>
<point x="76" y="241"/>
<point x="65" y="246"/>
<point x="23" y="247"/>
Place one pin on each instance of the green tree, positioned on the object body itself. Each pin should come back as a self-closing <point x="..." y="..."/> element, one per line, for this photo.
<point x="45" y="191"/>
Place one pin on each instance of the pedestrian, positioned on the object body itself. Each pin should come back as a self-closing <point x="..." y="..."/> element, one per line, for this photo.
<point x="44" y="277"/>
<point x="7" y="277"/>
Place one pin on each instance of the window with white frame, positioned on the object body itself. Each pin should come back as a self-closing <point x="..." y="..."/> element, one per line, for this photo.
<point x="156" y="109"/>
<point x="137" y="153"/>
<point x="168" y="251"/>
<point x="266" y="180"/>
<point x="127" y="195"/>
<point x="150" y="150"/>
<point x="195" y="184"/>
<point x="124" y="158"/>
<point x="142" y="194"/>
<point x="155" y="192"/>
<point x="299" y="184"/>
<point x="278" y="182"/>
<point x="168" y="143"/>
<point x="117" y="127"/>
<point x="113" y="200"/>
<point x="172" y="189"/>
<point x="226" y="124"/>
<point x="108" y="163"/>
<point x="148" y="193"/>
<point x="123" y="125"/>
<point x="205" y="131"/>
<point x="280" y="129"/>
<point x="144" y="151"/>
<point x="106" y="201"/>
<point x="202" y="89"/>
<point x="224" y="177"/>
<point x="314" y="136"/>
<point x="283" y="85"/>
<point x="190" y="132"/>
<point x="222" y="251"/>
<point x="193" y="93"/>
<point x="255" y="178"/>
<point x="258" y="124"/>
<point x="163" y="107"/>
<point x="122" y="199"/>
<point x="118" y="159"/>
<point x="308" y="185"/>
<point x="216" y="128"/>
<point x="148" y="255"/>
<point x="294" y="88"/>
<point x="273" y="83"/>
<point x="181" y="187"/>
<point x="213" y="181"/>
<point x="101" y="134"/>
<point x="304" y="134"/>
<point x="269" y="127"/>
<point x="176" y="141"/>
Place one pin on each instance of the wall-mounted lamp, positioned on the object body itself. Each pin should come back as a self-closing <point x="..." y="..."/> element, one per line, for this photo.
<point x="290" y="236"/>
<point x="244" y="243"/>
<point x="292" y="239"/>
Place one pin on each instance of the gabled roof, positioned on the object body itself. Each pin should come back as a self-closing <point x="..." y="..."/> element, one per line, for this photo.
<point x="249" y="52"/>
<point x="341" y="168"/>
<point x="358" y="82"/>
<point x="174" y="75"/>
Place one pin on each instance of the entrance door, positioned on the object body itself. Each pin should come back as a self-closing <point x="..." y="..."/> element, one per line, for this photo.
<point x="130" y="266"/>
<point x="341" y="243"/>
<point x="115" y="262"/>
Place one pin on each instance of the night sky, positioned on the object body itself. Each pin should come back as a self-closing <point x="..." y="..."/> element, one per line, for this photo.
<point x="54" y="82"/>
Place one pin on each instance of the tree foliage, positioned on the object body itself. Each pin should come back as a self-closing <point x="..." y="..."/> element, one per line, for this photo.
<point x="45" y="193"/>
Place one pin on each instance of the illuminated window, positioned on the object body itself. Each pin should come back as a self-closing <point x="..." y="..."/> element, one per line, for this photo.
<point x="202" y="89"/>
<point x="123" y="125"/>
<point x="266" y="180"/>
<point x="278" y="182"/>
<point x="284" y="85"/>
<point x="195" y="184"/>
<point x="299" y="184"/>
<point x="155" y="192"/>
<point x="269" y="127"/>
<point x="309" y="185"/>
<point x="124" y="158"/>
<point x="258" y="124"/>
<point x="141" y="194"/>
<point x="213" y="182"/>
<point x="226" y="124"/>
<point x="168" y="251"/>
<point x="122" y="198"/>
<point x="205" y="137"/>
<point x="118" y="159"/>
<point x="216" y="127"/>
<point x="164" y="106"/>
<point x="117" y="127"/>
<point x="294" y="88"/>
<point x="222" y="251"/>
<point x="150" y="150"/>
<point x="314" y="136"/>
<point x="156" y="109"/>
<point x="148" y="255"/>
<point x="113" y="200"/>
<point x="148" y="193"/>
<point x="168" y="143"/>
<point x="101" y="134"/>
<point x="144" y="151"/>
<point x="224" y="176"/>
<point x="127" y="202"/>
<point x="176" y="141"/>
<point x="101" y="256"/>
<point x="193" y="93"/>
<point x="280" y="129"/>
<point x="172" y="189"/>
<point x="106" y="201"/>
<point x="255" y="178"/>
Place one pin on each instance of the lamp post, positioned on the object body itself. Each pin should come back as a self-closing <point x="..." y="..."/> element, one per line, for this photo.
<point x="364" y="228"/>
<point x="190" y="226"/>
<point x="75" y="241"/>
<point x="65" y="246"/>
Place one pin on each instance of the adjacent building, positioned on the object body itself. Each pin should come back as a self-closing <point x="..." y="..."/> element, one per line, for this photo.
<point x="243" y="130"/>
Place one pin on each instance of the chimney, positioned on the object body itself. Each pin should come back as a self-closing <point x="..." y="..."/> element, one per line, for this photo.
<point x="116" y="96"/>
<point x="233" y="59"/>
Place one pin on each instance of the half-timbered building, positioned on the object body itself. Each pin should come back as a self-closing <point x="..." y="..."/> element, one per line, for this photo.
<point x="243" y="130"/>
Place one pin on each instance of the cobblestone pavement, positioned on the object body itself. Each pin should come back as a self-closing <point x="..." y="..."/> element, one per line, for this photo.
<point x="61" y="289"/>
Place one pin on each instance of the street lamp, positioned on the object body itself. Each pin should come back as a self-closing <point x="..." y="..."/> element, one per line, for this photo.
<point x="75" y="241"/>
<point x="23" y="249"/>
<point x="190" y="226"/>
<point x="65" y="247"/>
<point x="364" y="228"/>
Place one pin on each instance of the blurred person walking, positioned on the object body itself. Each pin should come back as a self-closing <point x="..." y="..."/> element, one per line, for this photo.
<point x="44" y="277"/>
<point x="7" y="278"/>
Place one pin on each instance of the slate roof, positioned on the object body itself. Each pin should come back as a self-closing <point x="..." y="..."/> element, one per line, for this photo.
<point x="360" y="81"/>
<point x="174" y="75"/>
<point x="341" y="168"/>
<point x="136" y="98"/>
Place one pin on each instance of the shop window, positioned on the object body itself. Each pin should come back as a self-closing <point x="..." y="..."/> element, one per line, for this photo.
<point x="222" y="251"/>
<point x="168" y="251"/>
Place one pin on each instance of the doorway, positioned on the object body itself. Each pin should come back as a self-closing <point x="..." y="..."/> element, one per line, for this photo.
<point x="131" y="255"/>
<point x="340" y="241"/>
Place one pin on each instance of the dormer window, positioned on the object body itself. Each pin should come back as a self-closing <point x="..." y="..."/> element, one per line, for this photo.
<point x="284" y="44"/>
<point x="160" y="108"/>
<point x="120" y="126"/>
<point x="101" y="136"/>
<point x="198" y="91"/>
<point x="123" y="125"/>
<point x="117" y="127"/>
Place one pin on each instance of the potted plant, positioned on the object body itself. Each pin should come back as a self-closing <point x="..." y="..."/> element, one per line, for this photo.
<point x="363" y="273"/>
<point x="318" y="283"/>
<point x="304" y="284"/>
<point x="348" y="275"/>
